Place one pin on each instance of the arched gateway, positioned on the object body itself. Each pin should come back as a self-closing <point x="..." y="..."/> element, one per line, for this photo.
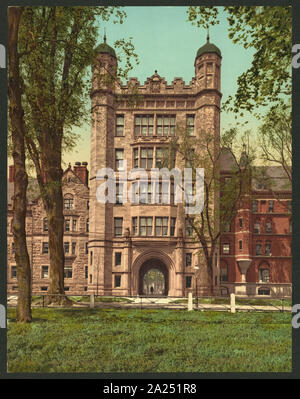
<point x="153" y="278"/>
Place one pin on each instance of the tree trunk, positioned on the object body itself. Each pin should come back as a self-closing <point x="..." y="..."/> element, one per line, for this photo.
<point x="16" y="114"/>
<point x="53" y="201"/>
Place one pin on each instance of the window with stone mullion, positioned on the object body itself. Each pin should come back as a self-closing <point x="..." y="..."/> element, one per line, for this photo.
<point x="143" y="125"/>
<point x="165" y="125"/>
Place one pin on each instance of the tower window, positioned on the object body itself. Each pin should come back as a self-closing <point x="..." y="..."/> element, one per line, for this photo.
<point x="240" y="222"/>
<point x="190" y="123"/>
<point x="240" y="245"/>
<point x="120" y="125"/>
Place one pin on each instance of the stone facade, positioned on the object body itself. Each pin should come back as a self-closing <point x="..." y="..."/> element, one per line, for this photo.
<point x="114" y="246"/>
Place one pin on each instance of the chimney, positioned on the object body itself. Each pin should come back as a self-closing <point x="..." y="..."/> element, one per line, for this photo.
<point x="11" y="175"/>
<point x="80" y="170"/>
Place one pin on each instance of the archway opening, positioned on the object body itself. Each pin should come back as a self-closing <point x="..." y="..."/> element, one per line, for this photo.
<point x="153" y="278"/>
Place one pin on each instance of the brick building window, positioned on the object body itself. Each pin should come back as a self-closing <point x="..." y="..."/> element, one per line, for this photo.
<point x="86" y="271"/>
<point x="161" y="226"/>
<point x="135" y="226"/>
<point x="240" y="245"/>
<point x="268" y="227"/>
<point x="263" y="291"/>
<point x="146" y="226"/>
<point x="120" y="125"/>
<point x="73" y="248"/>
<point x="268" y="249"/>
<point x="117" y="281"/>
<point x="271" y="206"/>
<point x="190" y="124"/>
<point x="13" y="272"/>
<point x="240" y="223"/>
<point x="257" y="228"/>
<point x="223" y="274"/>
<point x="254" y="206"/>
<point x="119" y="159"/>
<point x="68" y="272"/>
<point x="258" y="249"/>
<point x="66" y="247"/>
<point x="118" y="258"/>
<point x="143" y="125"/>
<point x="165" y="125"/>
<point x="45" y="271"/>
<point x="188" y="259"/>
<point x="67" y="224"/>
<point x="68" y="202"/>
<point x="45" y="224"/>
<point x="118" y="226"/>
<point x="264" y="275"/>
<point x="45" y="247"/>
<point x="172" y="226"/>
<point x="188" y="281"/>
<point x="226" y="248"/>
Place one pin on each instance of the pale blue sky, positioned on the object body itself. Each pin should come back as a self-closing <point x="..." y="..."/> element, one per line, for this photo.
<point x="166" y="41"/>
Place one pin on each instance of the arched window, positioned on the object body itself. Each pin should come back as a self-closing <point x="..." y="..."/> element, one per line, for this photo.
<point x="68" y="201"/>
<point x="264" y="275"/>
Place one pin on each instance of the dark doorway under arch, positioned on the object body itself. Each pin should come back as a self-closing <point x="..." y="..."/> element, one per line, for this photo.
<point x="153" y="278"/>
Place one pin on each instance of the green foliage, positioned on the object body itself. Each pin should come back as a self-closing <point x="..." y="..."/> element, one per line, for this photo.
<point x="108" y="340"/>
<point x="266" y="29"/>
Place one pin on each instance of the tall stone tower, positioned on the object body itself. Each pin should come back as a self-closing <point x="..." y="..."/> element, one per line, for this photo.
<point x="127" y="241"/>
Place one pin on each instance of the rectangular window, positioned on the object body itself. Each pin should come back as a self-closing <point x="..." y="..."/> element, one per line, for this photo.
<point x="13" y="272"/>
<point x="136" y="158"/>
<point x="258" y="249"/>
<point x="119" y="193"/>
<point x="161" y="226"/>
<point x="135" y="226"/>
<point x="91" y="259"/>
<point x="190" y="156"/>
<point x="86" y="247"/>
<point x="120" y="125"/>
<point x="67" y="247"/>
<point x="146" y="226"/>
<point x="45" y="272"/>
<point x="45" y="248"/>
<point x="118" y="226"/>
<point x="143" y="125"/>
<point x="117" y="281"/>
<point x="190" y="123"/>
<point x="165" y="125"/>
<point x="87" y="225"/>
<point x="240" y="223"/>
<point x="268" y="249"/>
<point x="188" y="259"/>
<point x="68" y="272"/>
<point x="45" y="224"/>
<point x="74" y="225"/>
<point x="188" y="228"/>
<point x="240" y="245"/>
<point x="119" y="158"/>
<point x="146" y="158"/>
<point x="256" y="228"/>
<point x="271" y="206"/>
<point x="254" y="206"/>
<point x="188" y="281"/>
<point x="118" y="258"/>
<point x="268" y="227"/>
<point x="86" y="271"/>
<point x="226" y="249"/>
<point x="13" y="249"/>
<point x="172" y="227"/>
<point x="145" y="193"/>
<point x="73" y="248"/>
<point x="67" y="224"/>
<point x="162" y="158"/>
<point x="68" y="203"/>
<point x="44" y="288"/>
<point x="223" y="274"/>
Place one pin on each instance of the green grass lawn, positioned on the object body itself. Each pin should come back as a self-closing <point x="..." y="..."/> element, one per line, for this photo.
<point x="133" y="340"/>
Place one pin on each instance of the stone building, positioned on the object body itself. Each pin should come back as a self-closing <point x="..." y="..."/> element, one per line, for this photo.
<point x="115" y="248"/>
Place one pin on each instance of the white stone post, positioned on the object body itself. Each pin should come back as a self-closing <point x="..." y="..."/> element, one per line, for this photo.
<point x="190" y="301"/>
<point x="92" y="300"/>
<point x="232" y="303"/>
